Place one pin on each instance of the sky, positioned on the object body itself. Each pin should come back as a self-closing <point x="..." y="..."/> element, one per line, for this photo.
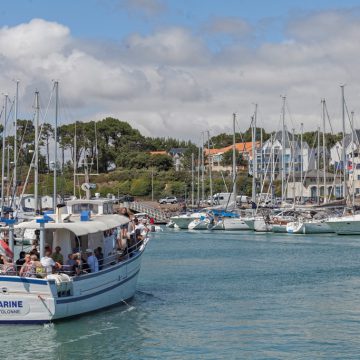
<point x="177" y="68"/>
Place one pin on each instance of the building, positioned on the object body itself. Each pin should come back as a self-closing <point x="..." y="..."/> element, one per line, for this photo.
<point x="177" y="154"/>
<point x="270" y="157"/>
<point x="313" y="185"/>
<point x="216" y="156"/>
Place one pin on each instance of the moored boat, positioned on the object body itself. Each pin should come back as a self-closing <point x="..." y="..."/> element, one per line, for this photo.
<point x="41" y="298"/>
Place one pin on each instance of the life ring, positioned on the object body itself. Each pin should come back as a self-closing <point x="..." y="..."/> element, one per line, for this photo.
<point x="6" y="249"/>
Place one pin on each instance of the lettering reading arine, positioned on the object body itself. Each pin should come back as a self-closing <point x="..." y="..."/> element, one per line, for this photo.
<point x="11" y="304"/>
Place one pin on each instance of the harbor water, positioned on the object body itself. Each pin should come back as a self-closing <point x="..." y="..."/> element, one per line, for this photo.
<point x="219" y="295"/>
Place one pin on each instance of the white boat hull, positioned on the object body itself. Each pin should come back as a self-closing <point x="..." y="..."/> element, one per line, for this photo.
<point x="278" y="228"/>
<point x="309" y="228"/>
<point x="345" y="226"/>
<point x="232" y="224"/>
<point x="261" y="226"/>
<point x="30" y="300"/>
<point x="182" y="222"/>
<point x="199" y="225"/>
<point x="250" y="223"/>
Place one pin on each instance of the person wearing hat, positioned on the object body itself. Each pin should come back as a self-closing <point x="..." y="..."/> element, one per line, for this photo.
<point x="92" y="261"/>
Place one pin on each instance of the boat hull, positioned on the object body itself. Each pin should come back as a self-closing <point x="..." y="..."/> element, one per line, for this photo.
<point x="182" y="222"/>
<point x="233" y="224"/>
<point x="261" y="226"/>
<point x="345" y="227"/>
<point x="309" y="228"/>
<point x="29" y="300"/>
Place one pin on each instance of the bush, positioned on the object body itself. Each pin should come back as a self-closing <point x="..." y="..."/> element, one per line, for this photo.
<point x="140" y="187"/>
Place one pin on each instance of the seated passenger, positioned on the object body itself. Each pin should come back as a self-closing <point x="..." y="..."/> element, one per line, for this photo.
<point x="81" y="265"/>
<point x="39" y="269"/>
<point x="71" y="260"/>
<point x="20" y="261"/>
<point x="57" y="256"/>
<point x="100" y="257"/>
<point x="28" y="268"/>
<point x="92" y="261"/>
<point x="48" y="263"/>
<point x="7" y="267"/>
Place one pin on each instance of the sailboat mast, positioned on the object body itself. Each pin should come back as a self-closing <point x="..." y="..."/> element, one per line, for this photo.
<point x="198" y="176"/>
<point x="75" y="162"/>
<point x="3" y="156"/>
<point x="234" y="160"/>
<point x="343" y="142"/>
<point x="253" y="191"/>
<point x="302" y="163"/>
<point x="192" y="179"/>
<point x="293" y="163"/>
<point x="202" y="170"/>
<point x="15" y="139"/>
<point x="324" y="151"/>
<point x="283" y="151"/>
<point x="318" y="167"/>
<point x="210" y="169"/>
<point x="36" y="163"/>
<point x="352" y="158"/>
<point x="56" y="85"/>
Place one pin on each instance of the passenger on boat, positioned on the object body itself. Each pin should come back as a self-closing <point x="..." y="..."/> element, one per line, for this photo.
<point x="100" y="257"/>
<point x="81" y="266"/>
<point x="39" y="269"/>
<point x="28" y="268"/>
<point x="92" y="261"/>
<point x="57" y="256"/>
<point x="20" y="261"/>
<point x="7" y="267"/>
<point x="48" y="263"/>
<point x="71" y="260"/>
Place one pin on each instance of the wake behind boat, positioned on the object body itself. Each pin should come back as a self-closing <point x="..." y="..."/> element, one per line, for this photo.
<point x="88" y="224"/>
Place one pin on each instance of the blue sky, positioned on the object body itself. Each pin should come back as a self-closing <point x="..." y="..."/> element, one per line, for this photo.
<point x="176" y="68"/>
<point x="113" y="19"/>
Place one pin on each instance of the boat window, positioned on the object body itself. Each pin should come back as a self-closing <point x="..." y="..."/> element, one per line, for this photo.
<point x="78" y="208"/>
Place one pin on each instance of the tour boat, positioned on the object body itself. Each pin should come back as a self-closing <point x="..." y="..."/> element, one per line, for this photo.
<point x="85" y="224"/>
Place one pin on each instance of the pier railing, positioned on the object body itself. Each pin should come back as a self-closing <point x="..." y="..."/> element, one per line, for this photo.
<point x="157" y="214"/>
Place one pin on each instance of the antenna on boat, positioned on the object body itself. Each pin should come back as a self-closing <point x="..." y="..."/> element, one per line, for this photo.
<point x="343" y="141"/>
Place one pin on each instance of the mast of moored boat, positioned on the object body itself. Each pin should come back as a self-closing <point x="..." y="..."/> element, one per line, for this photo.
<point x="283" y="151"/>
<point x="15" y="141"/>
<point x="253" y="183"/>
<point x="318" y="167"/>
<point x="3" y="156"/>
<point x="36" y="149"/>
<point x="198" y="177"/>
<point x="192" y="179"/>
<point x="293" y="164"/>
<point x="234" y="159"/>
<point x="210" y="170"/>
<point x="75" y="162"/>
<point x="56" y="86"/>
<point x="324" y="150"/>
<point x="301" y="163"/>
<point x="352" y="159"/>
<point x="202" y="170"/>
<point x="343" y="142"/>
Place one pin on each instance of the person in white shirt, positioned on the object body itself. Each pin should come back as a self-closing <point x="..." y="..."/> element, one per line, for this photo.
<point x="92" y="261"/>
<point x="48" y="263"/>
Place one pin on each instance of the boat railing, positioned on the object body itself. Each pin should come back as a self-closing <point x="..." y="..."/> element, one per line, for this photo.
<point x="112" y="259"/>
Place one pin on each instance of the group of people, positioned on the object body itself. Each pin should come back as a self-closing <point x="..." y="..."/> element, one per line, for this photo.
<point x="31" y="265"/>
<point x="132" y="233"/>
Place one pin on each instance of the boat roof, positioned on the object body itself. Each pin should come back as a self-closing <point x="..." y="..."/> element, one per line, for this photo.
<point x="79" y="228"/>
<point x="88" y="201"/>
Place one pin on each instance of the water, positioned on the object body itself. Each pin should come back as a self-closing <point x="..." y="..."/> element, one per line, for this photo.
<point x="219" y="296"/>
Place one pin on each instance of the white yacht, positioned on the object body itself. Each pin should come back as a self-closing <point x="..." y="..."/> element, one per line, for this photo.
<point x="183" y="221"/>
<point x="345" y="225"/>
<point x="38" y="298"/>
<point x="303" y="226"/>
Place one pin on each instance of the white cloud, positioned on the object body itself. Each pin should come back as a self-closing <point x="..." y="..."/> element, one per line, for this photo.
<point x="170" y="83"/>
